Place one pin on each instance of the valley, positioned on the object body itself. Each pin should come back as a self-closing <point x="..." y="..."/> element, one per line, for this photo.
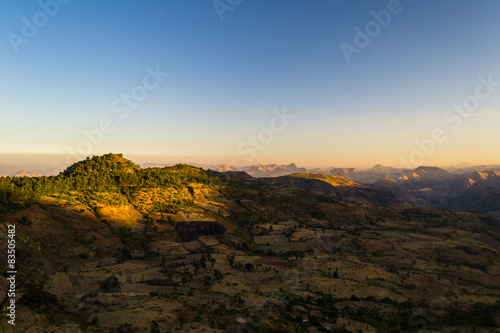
<point x="110" y="247"/>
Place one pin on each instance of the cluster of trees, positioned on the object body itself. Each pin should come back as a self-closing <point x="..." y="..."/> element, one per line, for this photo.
<point x="108" y="173"/>
<point x="26" y="189"/>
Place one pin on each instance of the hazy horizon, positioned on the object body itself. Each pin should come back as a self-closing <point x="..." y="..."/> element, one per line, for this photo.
<point x="35" y="160"/>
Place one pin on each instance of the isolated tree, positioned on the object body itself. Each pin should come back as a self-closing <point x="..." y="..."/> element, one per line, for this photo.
<point x="155" y="328"/>
<point x="218" y="275"/>
<point x="111" y="284"/>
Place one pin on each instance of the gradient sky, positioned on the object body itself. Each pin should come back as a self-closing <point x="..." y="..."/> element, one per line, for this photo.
<point x="226" y="78"/>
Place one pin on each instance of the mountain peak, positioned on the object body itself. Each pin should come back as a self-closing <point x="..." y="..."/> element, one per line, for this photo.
<point x="23" y="173"/>
<point x="101" y="164"/>
<point x="381" y="168"/>
<point x="429" y="169"/>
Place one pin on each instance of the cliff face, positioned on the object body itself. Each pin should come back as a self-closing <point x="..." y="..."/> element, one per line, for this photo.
<point x="190" y="231"/>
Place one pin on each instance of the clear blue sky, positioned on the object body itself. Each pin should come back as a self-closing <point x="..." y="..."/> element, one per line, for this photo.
<point x="226" y="78"/>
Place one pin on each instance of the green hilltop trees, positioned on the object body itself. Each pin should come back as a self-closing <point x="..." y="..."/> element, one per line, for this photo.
<point x="110" y="173"/>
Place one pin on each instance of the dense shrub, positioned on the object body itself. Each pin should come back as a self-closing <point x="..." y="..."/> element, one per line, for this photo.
<point x="36" y="298"/>
<point x="111" y="284"/>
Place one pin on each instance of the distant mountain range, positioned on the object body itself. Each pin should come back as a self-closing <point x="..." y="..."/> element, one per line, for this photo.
<point x="474" y="188"/>
<point x="28" y="171"/>
<point x="366" y="176"/>
<point x="470" y="188"/>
